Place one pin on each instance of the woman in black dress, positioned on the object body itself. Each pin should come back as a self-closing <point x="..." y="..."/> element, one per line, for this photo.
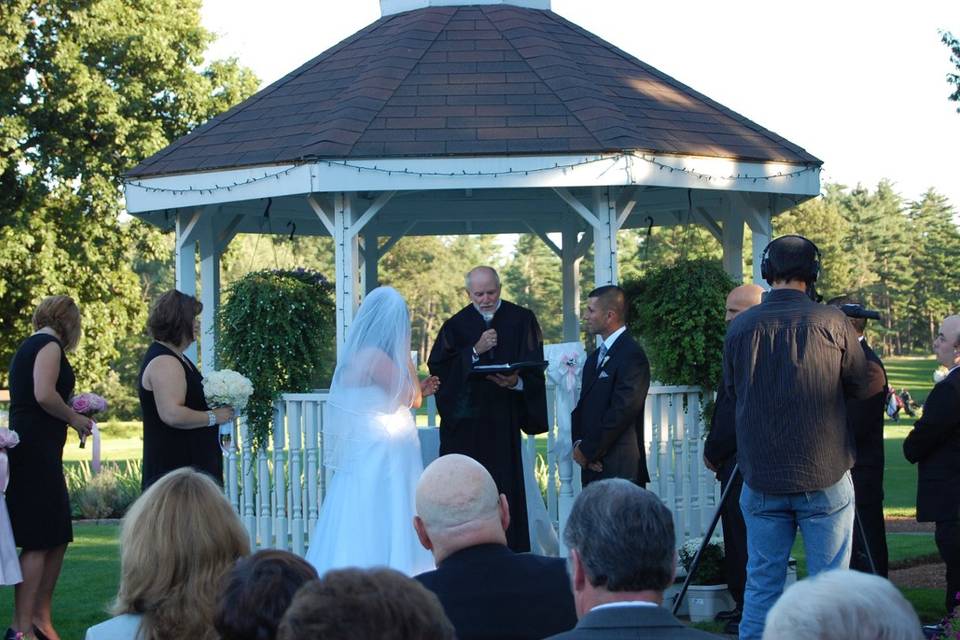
<point x="179" y="429"/>
<point x="41" y="382"/>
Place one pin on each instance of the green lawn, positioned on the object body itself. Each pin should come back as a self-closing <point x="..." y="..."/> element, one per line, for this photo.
<point x="87" y="584"/>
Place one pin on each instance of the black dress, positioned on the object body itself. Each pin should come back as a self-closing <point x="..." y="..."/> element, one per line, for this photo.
<point x="166" y="448"/>
<point x="37" y="496"/>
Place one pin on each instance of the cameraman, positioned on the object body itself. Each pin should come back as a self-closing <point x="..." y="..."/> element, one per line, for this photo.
<point x="865" y="419"/>
<point x="788" y="364"/>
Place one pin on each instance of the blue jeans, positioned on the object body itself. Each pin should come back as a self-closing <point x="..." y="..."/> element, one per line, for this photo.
<point x="825" y="519"/>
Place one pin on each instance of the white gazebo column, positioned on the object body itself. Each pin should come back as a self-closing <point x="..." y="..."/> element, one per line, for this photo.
<point x="186" y="259"/>
<point x="732" y="242"/>
<point x="572" y="252"/>
<point x="344" y="223"/>
<point x="605" y="237"/>
<point x="209" y="290"/>
<point x="761" y="226"/>
<point x="347" y="264"/>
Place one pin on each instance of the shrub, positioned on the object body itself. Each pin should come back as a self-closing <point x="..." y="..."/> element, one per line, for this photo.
<point x="710" y="570"/>
<point x="277" y="328"/>
<point x="677" y="314"/>
<point x="107" y="494"/>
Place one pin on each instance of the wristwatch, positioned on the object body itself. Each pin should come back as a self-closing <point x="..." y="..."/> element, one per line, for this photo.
<point x="211" y="418"/>
<point x="476" y="356"/>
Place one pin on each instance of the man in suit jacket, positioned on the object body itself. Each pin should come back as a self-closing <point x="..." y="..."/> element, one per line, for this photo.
<point x="720" y="456"/>
<point x="865" y="420"/>
<point x="487" y="590"/>
<point x="622" y="558"/>
<point x="607" y="424"/>
<point x="934" y="443"/>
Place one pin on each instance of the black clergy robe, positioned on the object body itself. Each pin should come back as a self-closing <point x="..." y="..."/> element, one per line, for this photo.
<point x="482" y="420"/>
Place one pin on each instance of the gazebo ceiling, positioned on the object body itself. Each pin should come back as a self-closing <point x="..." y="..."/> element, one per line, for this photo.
<point x="469" y="81"/>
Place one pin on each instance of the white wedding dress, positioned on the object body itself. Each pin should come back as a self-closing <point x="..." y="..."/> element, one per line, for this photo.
<point x="370" y="442"/>
<point x="366" y="518"/>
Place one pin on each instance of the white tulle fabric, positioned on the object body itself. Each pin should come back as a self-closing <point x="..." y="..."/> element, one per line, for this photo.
<point x="370" y="441"/>
<point x="9" y="562"/>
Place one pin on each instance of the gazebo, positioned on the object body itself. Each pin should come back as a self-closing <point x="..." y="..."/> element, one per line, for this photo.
<point x="450" y="117"/>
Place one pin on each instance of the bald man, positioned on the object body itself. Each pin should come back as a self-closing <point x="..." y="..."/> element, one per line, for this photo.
<point x="934" y="444"/>
<point x="487" y="590"/>
<point x="483" y="416"/>
<point x="720" y="456"/>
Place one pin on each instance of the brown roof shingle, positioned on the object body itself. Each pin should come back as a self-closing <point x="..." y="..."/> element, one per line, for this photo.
<point x="466" y="81"/>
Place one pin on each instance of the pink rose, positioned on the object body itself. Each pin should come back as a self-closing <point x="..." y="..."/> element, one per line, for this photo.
<point x="8" y="438"/>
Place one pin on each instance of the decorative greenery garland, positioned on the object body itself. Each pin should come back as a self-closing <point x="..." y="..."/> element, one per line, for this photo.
<point x="677" y="312"/>
<point x="277" y="328"/>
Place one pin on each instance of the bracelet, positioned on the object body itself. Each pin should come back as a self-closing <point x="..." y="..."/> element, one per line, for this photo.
<point x="211" y="418"/>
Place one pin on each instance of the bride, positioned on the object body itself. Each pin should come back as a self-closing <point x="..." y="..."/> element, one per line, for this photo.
<point x="370" y="442"/>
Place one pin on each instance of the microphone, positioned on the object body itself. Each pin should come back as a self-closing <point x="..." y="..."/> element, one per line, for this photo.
<point x="487" y="321"/>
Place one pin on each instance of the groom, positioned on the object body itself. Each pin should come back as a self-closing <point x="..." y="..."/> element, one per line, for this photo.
<point x="607" y="424"/>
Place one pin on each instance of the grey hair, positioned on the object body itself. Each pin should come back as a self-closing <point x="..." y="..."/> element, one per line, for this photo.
<point x="843" y="604"/>
<point x="466" y="278"/>
<point x="624" y="535"/>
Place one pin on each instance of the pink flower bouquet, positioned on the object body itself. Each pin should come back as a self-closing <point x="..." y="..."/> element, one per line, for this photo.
<point x="8" y="439"/>
<point x="88" y="404"/>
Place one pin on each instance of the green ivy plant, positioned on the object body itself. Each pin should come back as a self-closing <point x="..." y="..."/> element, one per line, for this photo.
<point x="677" y="314"/>
<point x="277" y="328"/>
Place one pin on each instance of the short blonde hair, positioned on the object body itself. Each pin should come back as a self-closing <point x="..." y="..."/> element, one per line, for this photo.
<point x="61" y="314"/>
<point x="178" y="541"/>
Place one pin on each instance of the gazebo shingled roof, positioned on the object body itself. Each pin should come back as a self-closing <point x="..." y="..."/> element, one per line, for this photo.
<point x="470" y="80"/>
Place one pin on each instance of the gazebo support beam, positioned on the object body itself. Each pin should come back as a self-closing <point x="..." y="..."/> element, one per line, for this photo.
<point x="605" y="236"/>
<point x="371" y="259"/>
<point x="186" y="259"/>
<point x="209" y="289"/>
<point x="761" y="225"/>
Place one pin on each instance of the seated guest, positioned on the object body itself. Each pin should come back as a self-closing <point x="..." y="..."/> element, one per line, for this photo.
<point x="257" y="592"/>
<point x="364" y="604"/>
<point x="842" y="604"/>
<point x="487" y="590"/>
<point x="622" y="559"/>
<point x="177" y="542"/>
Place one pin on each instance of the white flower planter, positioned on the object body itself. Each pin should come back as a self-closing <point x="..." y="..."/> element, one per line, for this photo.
<point x="707" y="600"/>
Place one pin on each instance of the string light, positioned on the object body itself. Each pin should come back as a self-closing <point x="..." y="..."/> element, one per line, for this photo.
<point x="653" y="160"/>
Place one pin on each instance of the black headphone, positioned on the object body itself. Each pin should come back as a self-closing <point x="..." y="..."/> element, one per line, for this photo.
<point x="765" y="259"/>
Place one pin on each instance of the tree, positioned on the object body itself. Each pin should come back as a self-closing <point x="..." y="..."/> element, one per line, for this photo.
<point x="88" y="88"/>
<point x="822" y="220"/>
<point x="934" y="244"/>
<point x="953" y="78"/>
<point x="534" y="279"/>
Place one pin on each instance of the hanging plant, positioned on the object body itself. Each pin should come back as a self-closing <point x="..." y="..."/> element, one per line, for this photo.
<point x="677" y="314"/>
<point x="277" y="328"/>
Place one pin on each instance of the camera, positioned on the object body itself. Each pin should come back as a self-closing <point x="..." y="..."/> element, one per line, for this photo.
<point x="857" y="311"/>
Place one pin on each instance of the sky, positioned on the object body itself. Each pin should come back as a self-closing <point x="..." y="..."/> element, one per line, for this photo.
<point x="860" y="84"/>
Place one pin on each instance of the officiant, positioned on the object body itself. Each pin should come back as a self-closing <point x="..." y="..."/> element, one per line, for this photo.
<point x="481" y="416"/>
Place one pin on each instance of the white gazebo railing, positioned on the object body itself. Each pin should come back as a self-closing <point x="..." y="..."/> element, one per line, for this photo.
<point x="278" y="492"/>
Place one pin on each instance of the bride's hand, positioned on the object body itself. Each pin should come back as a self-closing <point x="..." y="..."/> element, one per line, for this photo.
<point x="429" y="386"/>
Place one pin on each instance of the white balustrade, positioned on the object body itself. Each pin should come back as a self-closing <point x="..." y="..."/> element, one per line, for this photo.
<point x="278" y="492"/>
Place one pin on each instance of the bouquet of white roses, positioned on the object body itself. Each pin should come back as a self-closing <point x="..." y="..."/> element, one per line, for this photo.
<point x="227" y="388"/>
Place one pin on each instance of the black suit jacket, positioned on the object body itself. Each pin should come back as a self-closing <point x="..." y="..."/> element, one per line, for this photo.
<point x="865" y="420"/>
<point x="488" y="592"/>
<point x="608" y="419"/>
<point x="934" y="443"/>
<point x="633" y="623"/>
<point x="720" y="447"/>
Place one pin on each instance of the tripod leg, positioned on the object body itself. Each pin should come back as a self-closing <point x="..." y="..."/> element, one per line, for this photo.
<point x="706" y="540"/>
<point x="858" y="525"/>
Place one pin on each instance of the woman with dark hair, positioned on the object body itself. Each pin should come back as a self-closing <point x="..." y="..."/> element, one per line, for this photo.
<point x="257" y="592"/>
<point x="41" y="382"/>
<point x="179" y="429"/>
